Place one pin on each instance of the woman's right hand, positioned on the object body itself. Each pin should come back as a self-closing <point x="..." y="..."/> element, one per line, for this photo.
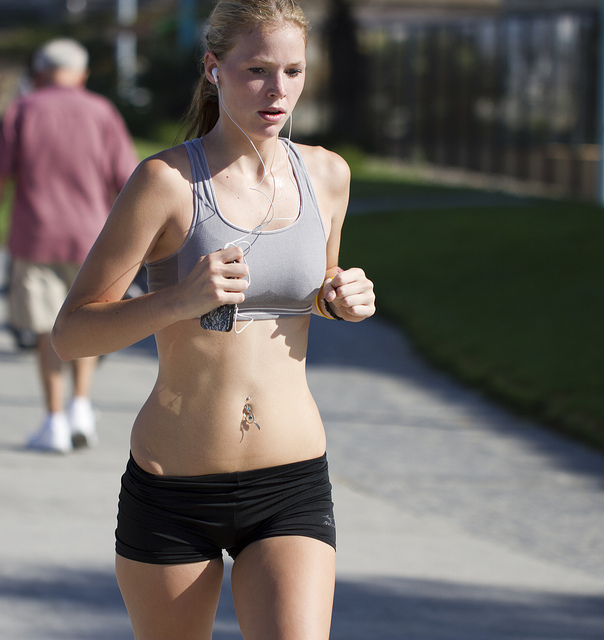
<point x="218" y="278"/>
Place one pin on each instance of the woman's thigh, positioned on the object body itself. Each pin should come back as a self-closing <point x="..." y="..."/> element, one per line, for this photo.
<point x="283" y="589"/>
<point x="170" y="602"/>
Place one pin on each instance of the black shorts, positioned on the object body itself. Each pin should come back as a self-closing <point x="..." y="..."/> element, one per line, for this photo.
<point x="175" y="520"/>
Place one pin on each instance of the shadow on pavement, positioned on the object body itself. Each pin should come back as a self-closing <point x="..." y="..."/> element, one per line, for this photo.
<point x="403" y="609"/>
<point x="372" y="608"/>
<point x="379" y="347"/>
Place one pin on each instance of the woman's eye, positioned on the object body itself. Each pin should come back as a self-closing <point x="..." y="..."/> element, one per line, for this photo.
<point x="294" y="72"/>
<point x="256" y="70"/>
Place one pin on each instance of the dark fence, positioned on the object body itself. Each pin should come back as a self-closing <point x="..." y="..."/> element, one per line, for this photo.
<point x="514" y="95"/>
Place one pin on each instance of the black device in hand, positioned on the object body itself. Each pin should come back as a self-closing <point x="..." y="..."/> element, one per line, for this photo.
<point x="219" y="319"/>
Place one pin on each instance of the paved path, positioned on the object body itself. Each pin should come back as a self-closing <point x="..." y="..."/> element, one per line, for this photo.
<point x="456" y="520"/>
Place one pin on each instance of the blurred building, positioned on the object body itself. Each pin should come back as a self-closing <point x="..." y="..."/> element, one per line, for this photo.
<point x="507" y="87"/>
<point x="550" y="5"/>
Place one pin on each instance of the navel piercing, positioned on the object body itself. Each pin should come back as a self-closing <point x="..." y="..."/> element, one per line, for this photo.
<point x="248" y="413"/>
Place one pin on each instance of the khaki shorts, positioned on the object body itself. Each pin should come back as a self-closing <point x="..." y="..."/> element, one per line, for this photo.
<point x="37" y="292"/>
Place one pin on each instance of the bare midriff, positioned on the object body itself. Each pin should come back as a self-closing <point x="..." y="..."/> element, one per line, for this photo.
<point x="194" y="422"/>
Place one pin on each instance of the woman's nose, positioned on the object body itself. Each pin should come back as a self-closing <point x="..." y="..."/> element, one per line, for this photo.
<point x="277" y="86"/>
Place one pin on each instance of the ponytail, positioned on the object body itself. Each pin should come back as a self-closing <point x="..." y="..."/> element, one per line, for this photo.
<point x="203" y="111"/>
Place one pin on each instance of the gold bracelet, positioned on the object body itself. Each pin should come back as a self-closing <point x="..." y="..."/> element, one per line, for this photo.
<point x="318" y="303"/>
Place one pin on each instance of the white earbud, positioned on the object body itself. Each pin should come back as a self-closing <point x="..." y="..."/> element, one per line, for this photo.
<point x="215" y="75"/>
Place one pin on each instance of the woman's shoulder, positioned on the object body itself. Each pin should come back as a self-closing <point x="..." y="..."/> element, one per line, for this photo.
<point x="327" y="170"/>
<point x="159" y="188"/>
<point x="324" y="160"/>
<point x="167" y="160"/>
<point x="166" y="170"/>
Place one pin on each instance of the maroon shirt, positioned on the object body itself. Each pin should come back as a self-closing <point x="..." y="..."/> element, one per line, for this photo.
<point x="70" y="154"/>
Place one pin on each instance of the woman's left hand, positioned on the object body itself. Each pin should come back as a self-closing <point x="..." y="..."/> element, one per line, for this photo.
<point x="350" y="294"/>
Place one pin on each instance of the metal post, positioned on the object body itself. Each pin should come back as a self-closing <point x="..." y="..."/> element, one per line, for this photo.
<point x="127" y="12"/>
<point x="600" y="72"/>
<point x="125" y="48"/>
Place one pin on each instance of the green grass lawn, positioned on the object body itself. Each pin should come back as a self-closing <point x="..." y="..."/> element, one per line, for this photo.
<point x="509" y="299"/>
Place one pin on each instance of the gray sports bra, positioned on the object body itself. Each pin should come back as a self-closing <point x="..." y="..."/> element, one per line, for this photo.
<point x="287" y="266"/>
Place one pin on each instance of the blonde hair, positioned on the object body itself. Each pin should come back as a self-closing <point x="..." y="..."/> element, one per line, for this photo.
<point x="229" y="19"/>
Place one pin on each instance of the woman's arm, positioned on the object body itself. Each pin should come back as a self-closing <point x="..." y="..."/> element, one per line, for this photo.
<point x="349" y="293"/>
<point x="149" y="221"/>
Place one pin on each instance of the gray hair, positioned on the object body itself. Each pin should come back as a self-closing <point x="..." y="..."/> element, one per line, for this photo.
<point x="62" y="53"/>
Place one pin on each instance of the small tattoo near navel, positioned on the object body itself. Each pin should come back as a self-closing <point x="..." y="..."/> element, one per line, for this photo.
<point x="248" y="413"/>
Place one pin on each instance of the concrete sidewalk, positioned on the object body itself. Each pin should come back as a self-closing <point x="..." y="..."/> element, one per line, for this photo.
<point x="456" y="521"/>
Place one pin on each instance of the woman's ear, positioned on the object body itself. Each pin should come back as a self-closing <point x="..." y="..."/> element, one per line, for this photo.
<point x="210" y="65"/>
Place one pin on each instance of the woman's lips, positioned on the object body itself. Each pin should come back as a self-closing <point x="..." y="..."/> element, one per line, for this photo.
<point x="271" y="115"/>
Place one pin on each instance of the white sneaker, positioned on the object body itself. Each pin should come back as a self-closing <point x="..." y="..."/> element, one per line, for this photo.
<point x="55" y="435"/>
<point x="82" y="422"/>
